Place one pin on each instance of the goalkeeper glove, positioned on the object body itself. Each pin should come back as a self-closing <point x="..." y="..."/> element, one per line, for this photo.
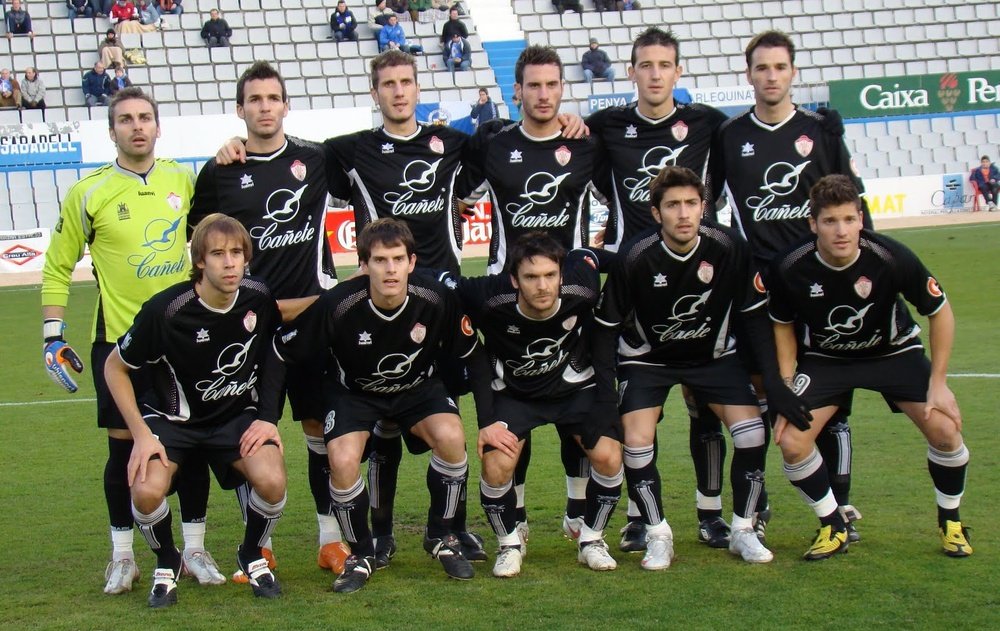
<point x="59" y="356"/>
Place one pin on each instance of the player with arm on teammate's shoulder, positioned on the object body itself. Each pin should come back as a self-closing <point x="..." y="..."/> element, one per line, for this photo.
<point x="207" y="343"/>
<point x="839" y="293"/>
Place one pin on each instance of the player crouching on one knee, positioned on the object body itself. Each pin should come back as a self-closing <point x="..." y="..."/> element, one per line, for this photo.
<point x="209" y="340"/>
<point x="840" y="290"/>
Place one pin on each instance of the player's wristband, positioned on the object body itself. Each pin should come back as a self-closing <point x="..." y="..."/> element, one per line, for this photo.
<point x="52" y="329"/>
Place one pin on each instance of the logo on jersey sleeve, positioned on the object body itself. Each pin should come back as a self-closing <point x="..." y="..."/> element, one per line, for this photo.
<point x="933" y="288"/>
<point x="686" y="310"/>
<point x="229" y="364"/>
<point x="758" y="284"/>
<point x="679" y="131"/>
<point x="466" y="326"/>
<point x="563" y="155"/>
<point x="298" y="170"/>
<point x="540" y="189"/>
<point x="804" y="145"/>
<point x="706" y="272"/>
<point x="780" y="179"/>
<point x="863" y="287"/>
<point x="653" y="161"/>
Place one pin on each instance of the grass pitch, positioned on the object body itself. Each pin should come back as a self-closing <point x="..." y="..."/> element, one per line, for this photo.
<point x="55" y="524"/>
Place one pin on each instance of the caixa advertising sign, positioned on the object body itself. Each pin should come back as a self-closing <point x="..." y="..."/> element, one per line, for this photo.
<point x="919" y="94"/>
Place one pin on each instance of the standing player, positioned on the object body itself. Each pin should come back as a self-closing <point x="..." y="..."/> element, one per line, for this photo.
<point x="537" y="181"/>
<point x="675" y="294"/>
<point x="641" y="139"/>
<point x="388" y="333"/>
<point x="838" y="292"/>
<point x="279" y="195"/>
<point x="765" y="161"/>
<point x="207" y="343"/>
<point x="536" y="324"/>
<point x="132" y="215"/>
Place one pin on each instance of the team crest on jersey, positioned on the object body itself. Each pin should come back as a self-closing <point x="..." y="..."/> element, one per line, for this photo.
<point x="418" y="333"/>
<point x="174" y="201"/>
<point x="863" y="287"/>
<point x="659" y="280"/>
<point x="436" y="145"/>
<point x="563" y="155"/>
<point x="569" y="323"/>
<point x="250" y="321"/>
<point x="747" y="150"/>
<point x="933" y="288"/>
<point x="467" y="326"/>
<point x="804" y="145"/>
<point x="388" y="148"/>
<point x="246" y="181"/>
<point x="298" y="170"/>
<point x="331" y="419"/>
<point x="123" y="212"/>
<point x="758" y="284"/>
<point x="631" y="132"/>
<point x="679" y="131"/>
<point x="706" y="272"/>
<point x="515" y="157"/>
<point x="364" y="338"/>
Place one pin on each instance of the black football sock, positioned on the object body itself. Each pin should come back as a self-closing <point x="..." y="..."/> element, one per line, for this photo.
<point x="319" y="473"/>
<point x="116" y="490"/>
<point x="383" y="471"/>
<point x="834" y="443"/>
<point x="446" y="484"/>
<point x="262" y="517"/>
<point x="156" y="528"/>
<point x="520" y="476"/>
<point x="746" y="473"/>
<point x="644" y="483"/>
<point x="350" y="506"/>
<point x="813" y="482"/>
<point x="603" y="493"/>
<point x="948" y="470"/>
<point x="577" y="468"/>
<point x="499" y="504"/>
<point x="708" y="452"/>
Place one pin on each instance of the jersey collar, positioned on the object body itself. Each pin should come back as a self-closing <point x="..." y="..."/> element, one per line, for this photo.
<point x="528" y="317"/>
<point x="403" y="138"/>
<point x="778" y="125"/>
<point x="226" y="309"/>
<point x="389" y="318"/>
<point x="680" y="257"/>
<point x="268" y="157"/>
<point x="834" y="267"/>
<point x="537" y="139"/>
<point x="655" y="121"/>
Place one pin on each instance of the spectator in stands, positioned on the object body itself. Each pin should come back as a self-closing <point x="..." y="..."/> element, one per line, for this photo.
<point x="32" y="90"/>
<point x="459" y="53"/>
<point x="96" y="86"/>
<point x="80" y="9"/>
<point x="111" y="50"/>
<point x="417" y="9"/>
<point x="10" y="91"/>
<point x="987" y="179"/>
<point x="628" y="5"/>
<point x="392" y="37"/>
<point x="123" y="12"/>
<point x="149" y="14"/>
<point x="216" y="31"/>
<point x="606" y="5"/>
<point x="343" y="24"/>
<point x="378" y="18"/>
<point x="18" y="21"/>
<point x="563" y="6"/>
<point x="596" y="64"/>
<point x="484" y="109"/>
<point x="451" y="26"/>
<point x="120" y="81"/>
<point x="399" y="7"/>
<point x="173" y="7"/>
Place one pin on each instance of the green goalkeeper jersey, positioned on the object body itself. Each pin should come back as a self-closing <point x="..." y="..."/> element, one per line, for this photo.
<point x="136" y="229"/>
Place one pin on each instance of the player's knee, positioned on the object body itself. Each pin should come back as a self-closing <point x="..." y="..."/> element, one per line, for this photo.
<point x="795" y="446"/>
<point x="606" y="457"/>
<point x="270" y="486"/>
<point x="147" y="496"/>
<point x="497" y="468"/>
<point x="344" y="466"/>
<point x="448" y="440"/>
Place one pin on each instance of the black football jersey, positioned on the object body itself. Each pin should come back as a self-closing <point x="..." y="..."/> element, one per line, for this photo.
<point x="678" y="310"/>
<point x="534" y="184"/>
<point x="638" y="148"/>
<point x="281" y="199"/>
<point x="205" y="364"/>
<point x="766" y="172"/>
<point x="853" y="311"/>
<point x="367" y="350"/>
<point x="531" y="358"/>
<point x="411" y="179"/>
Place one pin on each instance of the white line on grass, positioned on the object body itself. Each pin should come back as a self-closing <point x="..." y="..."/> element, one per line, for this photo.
<point x="13" y="404"/>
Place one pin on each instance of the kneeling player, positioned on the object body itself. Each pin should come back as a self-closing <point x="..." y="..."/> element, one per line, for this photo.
<point x="536" y="323"/>
<point x="208" y="343"/>
<point x="842" y="287"/>
<point x="674" y="294"/>
<point x="387" y="332"/>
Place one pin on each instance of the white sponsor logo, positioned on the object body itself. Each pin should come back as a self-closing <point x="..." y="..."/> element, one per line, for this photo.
<point x="229" y="362"/>
<point x="418" y="177"/>
<point x="515" y="157"/>
<point x="201" y="336"/>
<point x="631" y="132"/>
<point x="659" y="280"/>
<point x="281" y="207"/>
<point x="846" y="321"/>
<point x="246" y="181"/>
<point x="780" y="179"/>
<point x="685" y="309"/>
<point x="747" y="150"/>
<point x="364" y="338"/>
<point x="816" y="290"/>
<point x="653" y="161"/>
<point x="391" y="368"/>
<point x="539" y="189"/>
<point x="540" y="357"/>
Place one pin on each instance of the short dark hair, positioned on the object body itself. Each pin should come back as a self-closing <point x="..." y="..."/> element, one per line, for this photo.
<point x="536" y="55"/>
<point x="389" y="59"/>
<point x="832" y="190"/>
<point x="126" y="94"/>
<point x="771" y="39"/>
<point x="259" y="71"/>
<point x="984" y="158"/>
<point x="654" y="36"/>
<point x="532" y="244"/>
<point x="673" y="177"/>
<point x="217" y="223"/>
<point x="387" y="231"/>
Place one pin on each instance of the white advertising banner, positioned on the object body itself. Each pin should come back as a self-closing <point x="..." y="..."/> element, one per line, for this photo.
<point x="918" y="195"/>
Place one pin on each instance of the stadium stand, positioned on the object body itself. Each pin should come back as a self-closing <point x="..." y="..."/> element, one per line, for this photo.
<point x="837" y="39"/>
